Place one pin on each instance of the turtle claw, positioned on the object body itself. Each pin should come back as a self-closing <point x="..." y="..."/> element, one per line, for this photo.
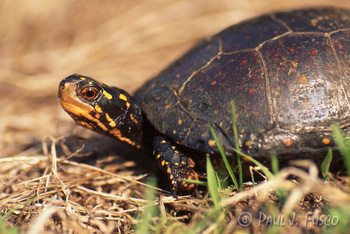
<point x="176" y="165"/>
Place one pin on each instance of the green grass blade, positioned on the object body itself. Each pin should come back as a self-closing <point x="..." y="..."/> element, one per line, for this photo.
<point x="344" y="150"/>
<point x="218" y="180"/>
<point x="235" y="134"/>
<point x="11" y="230"/>
<point x="213" y="184"/>
<point x="264" y="169"/>
<point x="326" y="164"/>
<point x="274" y="164"/>
<point x="224" y="158"/>
<point x="150" y="211"/>
<point x="199" y="182"/>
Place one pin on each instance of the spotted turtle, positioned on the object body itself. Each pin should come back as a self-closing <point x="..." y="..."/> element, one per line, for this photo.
<point x="288" y="74"/>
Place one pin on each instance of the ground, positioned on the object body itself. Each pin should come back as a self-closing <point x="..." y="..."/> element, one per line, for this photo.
<point x="122" y="43"/>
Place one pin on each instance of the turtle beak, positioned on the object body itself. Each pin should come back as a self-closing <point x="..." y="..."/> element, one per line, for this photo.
<point x="67" y="91"/>
<point x="72" y="79"/>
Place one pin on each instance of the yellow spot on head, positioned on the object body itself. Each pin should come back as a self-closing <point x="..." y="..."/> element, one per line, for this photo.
<point x="158" y="156"/>
<point x="326" y="141"/>
<point x="180" y="121"/>
<point x="97" y="117"/>
<point x="127" y="104"/>
<point x="108" y="96"/>
<point x="133" y="118"/>
<point x="163" y="163"/>
<point x="98" y="109"/>
<point x="288" y="142"/>
<point x="82" y="78"/>
<point x="123" y="97"/>
<point x="163" y="141"/>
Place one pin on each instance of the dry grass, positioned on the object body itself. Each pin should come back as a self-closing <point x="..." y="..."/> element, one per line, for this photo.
<point x="121" y="43"/>
<point x="59" y="195"/>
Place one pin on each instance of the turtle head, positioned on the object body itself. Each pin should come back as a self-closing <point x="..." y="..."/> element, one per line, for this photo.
<point x="107" y="110"/>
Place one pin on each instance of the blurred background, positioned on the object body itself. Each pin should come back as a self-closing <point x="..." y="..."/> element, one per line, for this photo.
<point x="122" y="43"/>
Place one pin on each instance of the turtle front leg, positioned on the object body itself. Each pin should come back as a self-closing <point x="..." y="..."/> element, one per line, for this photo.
<point x="176" y="165"/>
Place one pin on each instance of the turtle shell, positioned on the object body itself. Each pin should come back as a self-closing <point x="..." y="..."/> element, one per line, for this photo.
<point x="288" y="74"/>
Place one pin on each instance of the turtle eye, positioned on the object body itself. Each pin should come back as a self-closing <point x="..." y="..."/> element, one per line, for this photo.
<point x="89" y="93"/>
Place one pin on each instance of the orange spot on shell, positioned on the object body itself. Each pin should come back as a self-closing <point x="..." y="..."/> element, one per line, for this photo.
<point x="303" y="80"/>
<point x="244" y="62"/>
<point x="211" y="142"/>
<point x="288" y="142"/>
<point x="326" y="141"/>
<point x="251" y="91"/>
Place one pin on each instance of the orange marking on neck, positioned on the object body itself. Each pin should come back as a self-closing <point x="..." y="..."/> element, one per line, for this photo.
<point x="116" y="132"/>
<point x="110" y="121"/>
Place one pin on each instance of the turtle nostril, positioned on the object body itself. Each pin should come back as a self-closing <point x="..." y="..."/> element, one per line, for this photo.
<point x="60" y="88"/>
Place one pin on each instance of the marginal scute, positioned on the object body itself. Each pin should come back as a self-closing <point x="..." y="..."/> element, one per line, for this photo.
<point x="341" y="43"/>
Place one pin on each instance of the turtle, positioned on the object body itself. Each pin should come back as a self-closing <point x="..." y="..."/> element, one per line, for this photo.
<point x="288" y="74"/>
